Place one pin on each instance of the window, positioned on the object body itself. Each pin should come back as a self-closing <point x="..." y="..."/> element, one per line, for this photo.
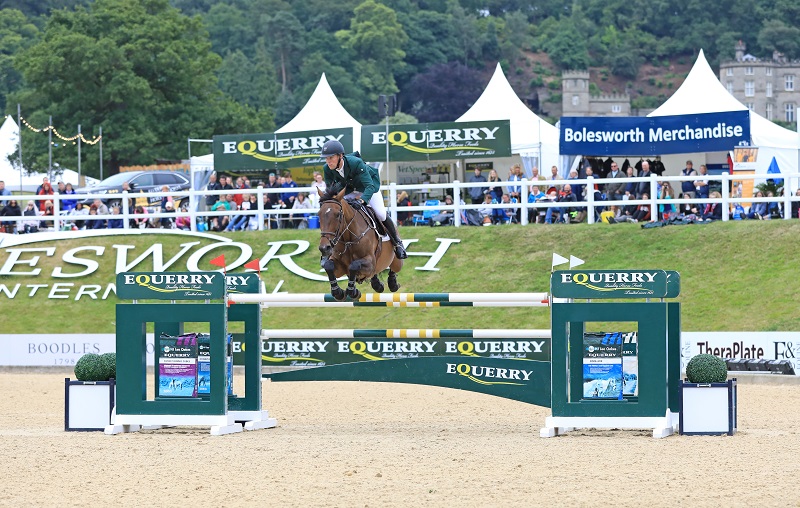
<point x="748" y="71"/>
<point x="769" y="89"/>
<point x="768" y="71"/>
<point x="789" y="83"/>
<point x="729" y="85"/>
<point x="576" y="100"/>
<point x="616" y="108"/>
<point x="729" y="71"/>
<point x="789" y="112"/>
<point x="769" y="112"/>
<point x="749" y="105"/>
<point x="749" y="88"/>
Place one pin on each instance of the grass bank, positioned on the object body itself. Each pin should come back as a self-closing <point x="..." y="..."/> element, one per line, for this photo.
<point x="735" y="275"/>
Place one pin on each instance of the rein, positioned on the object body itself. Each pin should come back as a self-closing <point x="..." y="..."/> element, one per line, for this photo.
<point x="336" y="236"/>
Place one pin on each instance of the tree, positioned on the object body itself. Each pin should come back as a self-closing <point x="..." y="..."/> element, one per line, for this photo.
<point x="16" y="34"/>
<point x="250" y="82"/>
<point x="286" y="40"/>
<point x="775" y="35"/>
<point x="139" y="68"/>
<point x="444" y="92"/>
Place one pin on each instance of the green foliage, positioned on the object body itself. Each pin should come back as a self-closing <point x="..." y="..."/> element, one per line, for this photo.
<point x="109" y="364"/>
<point x="90" y="367"/>
<point x="16" y="34"/>
<point x="706" y="368"/>
<point x="775" y="34"/>
<point x="594" y="90"/>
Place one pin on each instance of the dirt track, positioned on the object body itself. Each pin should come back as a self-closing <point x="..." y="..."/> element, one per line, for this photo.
<point x="360" y="444"/>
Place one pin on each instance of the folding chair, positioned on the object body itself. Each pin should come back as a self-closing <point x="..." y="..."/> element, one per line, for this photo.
<point x="426" y="215"/>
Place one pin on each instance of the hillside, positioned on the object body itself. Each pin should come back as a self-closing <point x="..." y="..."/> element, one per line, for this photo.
<point x="735" y="275"/>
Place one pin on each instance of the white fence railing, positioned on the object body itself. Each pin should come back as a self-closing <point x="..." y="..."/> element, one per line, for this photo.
<point x="267" y="216"/>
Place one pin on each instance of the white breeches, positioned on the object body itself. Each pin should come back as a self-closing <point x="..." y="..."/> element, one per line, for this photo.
<point x="376" y="202"/>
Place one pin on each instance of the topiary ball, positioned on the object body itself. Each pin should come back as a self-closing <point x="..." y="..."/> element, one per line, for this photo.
<point x="706" y="369"/>
<point x="89" y="367"/>
<point x="109" y="361"/>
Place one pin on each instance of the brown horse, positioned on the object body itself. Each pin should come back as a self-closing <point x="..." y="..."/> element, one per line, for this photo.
<point x="350" y="245"/>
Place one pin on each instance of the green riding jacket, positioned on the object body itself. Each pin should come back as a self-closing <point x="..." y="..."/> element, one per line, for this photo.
<point x="358" y="176"/>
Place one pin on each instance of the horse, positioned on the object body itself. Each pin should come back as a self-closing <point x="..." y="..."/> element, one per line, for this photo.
<point x="351" y="245"/>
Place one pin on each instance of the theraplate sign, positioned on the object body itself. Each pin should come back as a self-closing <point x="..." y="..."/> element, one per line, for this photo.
<point x="658" y="135"/>
<point x="64" y="265"/>
<point x="437" y="141"/>
<point x="611" y="284"/>
<point x="271" y="151"/>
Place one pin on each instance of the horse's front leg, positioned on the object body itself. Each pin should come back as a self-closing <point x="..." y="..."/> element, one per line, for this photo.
<point x="356" y="267"/>
<point x="329" y="267"/>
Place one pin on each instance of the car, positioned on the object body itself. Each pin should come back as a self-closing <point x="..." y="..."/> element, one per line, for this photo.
<point x="178" y="184"/>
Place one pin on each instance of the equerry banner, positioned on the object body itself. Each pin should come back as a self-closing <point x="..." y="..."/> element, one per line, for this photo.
<point x="273" y="151"/>
<point x="659" y="135"/>
<point x="437" y="141"/>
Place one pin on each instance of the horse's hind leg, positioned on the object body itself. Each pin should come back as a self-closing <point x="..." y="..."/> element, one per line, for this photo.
<point x="392" y="281"/>
<point x="376" y="283"/>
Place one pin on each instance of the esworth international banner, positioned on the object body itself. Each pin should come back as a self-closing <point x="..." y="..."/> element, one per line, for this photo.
<point x="658" y="135"/>
<point x="437" y="141"/>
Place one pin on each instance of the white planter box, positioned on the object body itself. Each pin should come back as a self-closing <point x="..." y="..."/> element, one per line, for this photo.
<point x="708" y="408"/>
<point x="88" y="404"/>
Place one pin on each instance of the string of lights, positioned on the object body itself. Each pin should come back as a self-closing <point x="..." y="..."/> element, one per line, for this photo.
<point x="93" y="141"/>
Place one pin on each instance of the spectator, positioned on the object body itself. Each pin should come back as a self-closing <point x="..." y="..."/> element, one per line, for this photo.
<point x="96" y="223"/>
<point x="476" y="193"/>
<point x="30" y="223"/>
<point x="239" y="197"/>
<point x="319" y="186"/>
<point x="67" y="205"/>
<point x="49" y="211"/>
<point x="701" y="185"/>
<point x="494" y="189"/>
<point x="101" y="207"/>
<point x="536" y="176"/>
<point x="712" y="211"/>
<point x="774" y="210"/>
<point x="577" y="188"/>
<point x="403" y="201"/>
<point x="555" y="176"/>
<point x="507" y="215"/>
<point x="564" y="210"/>
<point x="116" y="222"/>
<point x="9" y="211"/>
<point x="3" y="192"/>
<point x="630" y="187"/>
<point x="225" y="184"/>
<point x="445" y="217"/>
<point x="758" y="210"/>
<point x="300" y="220"/>
<point x="643" y="188"/>
<point x="139" y="220"/>
<point x="44" y="190"/>
<point x="183" y="221"/>
<point x="614" y="190"/>
<point x="597" y="195"/>
<point x="486" y="211"/>
<point x="79" y="214"/>
<point x="288" y="197"/>
<point x="167" y="222"/>
<point x="61" y="188"/>
<point x="534" y="196"/>
<point x="220" y="222"/>
<point x="666" y="210"/>
<point x="796" y="206"/>
<point x="688" y="186"/>
<point x="242" y="220"/>
<point x="515" y="175"/>
<point x="212" y="185"/>
<point x="642" y="213"/>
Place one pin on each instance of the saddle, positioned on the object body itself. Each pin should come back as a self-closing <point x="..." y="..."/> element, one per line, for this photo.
<point x="369" y="215"/>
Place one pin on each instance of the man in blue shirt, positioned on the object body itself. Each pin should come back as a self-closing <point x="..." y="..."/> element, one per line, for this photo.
<point x="288" y="197"/>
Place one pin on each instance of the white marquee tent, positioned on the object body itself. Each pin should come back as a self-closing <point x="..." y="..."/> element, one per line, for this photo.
<point x="702" y="92"/>
<point x="10" y="173"/>
<point x="531" y="137"/>
<point x="324" y="111"/>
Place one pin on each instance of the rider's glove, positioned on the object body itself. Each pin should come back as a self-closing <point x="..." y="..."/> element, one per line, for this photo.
<point x="355" y="203"/>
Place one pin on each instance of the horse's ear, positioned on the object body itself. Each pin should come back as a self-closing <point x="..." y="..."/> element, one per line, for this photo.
<point x="319" y="191"/>
<point x="340" y="195"/>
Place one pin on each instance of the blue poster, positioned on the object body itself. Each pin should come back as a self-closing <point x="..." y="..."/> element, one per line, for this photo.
<point x="658" y="135"/>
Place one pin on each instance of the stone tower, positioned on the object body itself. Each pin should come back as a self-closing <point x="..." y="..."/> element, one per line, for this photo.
<point x="575" y="93"/>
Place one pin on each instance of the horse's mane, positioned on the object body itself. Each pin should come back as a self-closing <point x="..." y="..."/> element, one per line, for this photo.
<point x="332" y="191"/>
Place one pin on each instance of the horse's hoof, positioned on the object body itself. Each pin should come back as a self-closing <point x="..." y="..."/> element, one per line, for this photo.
<point x="393" y="285"/>
<point x="377" y="286"/>
<point x="338" y="294"/>
<point x="355" y="294"/>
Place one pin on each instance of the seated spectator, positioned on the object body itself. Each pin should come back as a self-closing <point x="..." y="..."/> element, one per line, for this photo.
<point x="712" y="211"/>
<point x="139" y="220"/>
<point x="78" y="214"/>
<point x="563" y="211"/>
<point x="94" y="223"/>
<point x="666" y="210"/>
<point x="403" y="200"/>
<point x="101" y="207"/>
<point x="30" y="222"/>
<point x="8" y="212"/>
<point x="166" y="199"/>
<point x="49" y="211"/>
<point x="758" y="210"/>
<point x="116" y="222"/>
<point x="183" y="221"/>
<point x="509" y="214"/>
<point x="535" y="196"/>
<point x="220" y="222"/>
<point x="486" y="212"/>
<point x="642" y="213"/>
<point x="168" y="222"/>
<point x="796" y="206"/>
<point x="300" y="220"/>
<point x="445" y="217"/>
<point x="241" y="221"/>
<point x="774" y="210"/>
<point x="68" y="204"/>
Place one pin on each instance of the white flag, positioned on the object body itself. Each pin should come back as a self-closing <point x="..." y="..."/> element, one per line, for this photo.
<point x="573" y="262"/>
<point x="558" y="260"/>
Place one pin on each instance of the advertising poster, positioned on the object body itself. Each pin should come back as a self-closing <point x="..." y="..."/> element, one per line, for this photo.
<point x="602" y="366"/>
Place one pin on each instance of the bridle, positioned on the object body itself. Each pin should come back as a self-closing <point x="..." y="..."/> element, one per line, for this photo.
<point x="334" y="237"/>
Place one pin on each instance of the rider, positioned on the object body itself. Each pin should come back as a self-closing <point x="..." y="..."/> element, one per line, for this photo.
<point x="351" y="172"/>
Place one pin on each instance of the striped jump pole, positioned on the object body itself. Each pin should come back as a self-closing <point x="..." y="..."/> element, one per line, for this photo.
<point x="397" y="300"/>
<point x="404" y="333"/>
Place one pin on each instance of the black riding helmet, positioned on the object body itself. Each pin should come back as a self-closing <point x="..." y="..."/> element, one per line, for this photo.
<point x="332" y="147"/>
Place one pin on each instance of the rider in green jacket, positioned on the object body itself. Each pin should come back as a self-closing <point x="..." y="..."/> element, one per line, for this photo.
<point x="352" y="173"/>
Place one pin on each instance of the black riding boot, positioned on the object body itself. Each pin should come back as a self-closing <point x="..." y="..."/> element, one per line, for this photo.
<point x="399" y="251"/>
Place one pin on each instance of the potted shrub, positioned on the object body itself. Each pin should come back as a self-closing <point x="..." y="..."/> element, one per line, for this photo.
<point x="707" y="398"/>
<point x="88" y="402"/>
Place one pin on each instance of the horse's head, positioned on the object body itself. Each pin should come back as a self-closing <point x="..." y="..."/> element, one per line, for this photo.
<point x="332" y="219"/>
